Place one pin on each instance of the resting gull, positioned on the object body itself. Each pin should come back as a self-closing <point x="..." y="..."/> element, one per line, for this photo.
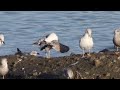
<point x="4" y="67"/>
<point x="69" y="73"/>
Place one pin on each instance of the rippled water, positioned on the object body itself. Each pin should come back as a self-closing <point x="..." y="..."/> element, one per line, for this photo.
<point x="22" y="28"/>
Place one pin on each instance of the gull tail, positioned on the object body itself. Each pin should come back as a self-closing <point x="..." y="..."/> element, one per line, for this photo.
<point x="64" y="48"/>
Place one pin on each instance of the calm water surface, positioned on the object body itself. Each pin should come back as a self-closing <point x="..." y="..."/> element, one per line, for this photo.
<point x="22" y="28"/>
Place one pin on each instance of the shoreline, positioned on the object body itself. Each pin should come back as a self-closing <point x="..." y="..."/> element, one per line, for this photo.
<point x="101" y="65"/>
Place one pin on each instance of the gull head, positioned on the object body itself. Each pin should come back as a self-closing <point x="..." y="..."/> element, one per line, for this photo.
<point x="117" y="31"/>
<point x="2" y="39"/>
<point x="40" y="42"/>
<point x="4" y="61"/>
<point x="89" y="31"/>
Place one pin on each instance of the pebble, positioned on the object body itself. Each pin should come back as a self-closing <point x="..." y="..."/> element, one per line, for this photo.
<point x="97" y="63"/>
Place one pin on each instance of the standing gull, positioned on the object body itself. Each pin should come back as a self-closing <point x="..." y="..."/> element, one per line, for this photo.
<point x="4" y="67"/>
<point x="1" y="39"/>
<point x="116" y="38"/>
<point x="86" y="42"/>
<point x="49" y="42"/>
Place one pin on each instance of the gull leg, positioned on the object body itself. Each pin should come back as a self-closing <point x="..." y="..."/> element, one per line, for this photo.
<point x="49" y="54"/>
<point x="117" y="48"/>
<point x="83" y="53"/>
<point x="89" y="53"/>
<point x="46" y="54"/>
<point x="3" y="76"/>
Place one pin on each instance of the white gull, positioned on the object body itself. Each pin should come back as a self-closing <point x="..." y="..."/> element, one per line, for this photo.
<point x="86" y="42"/>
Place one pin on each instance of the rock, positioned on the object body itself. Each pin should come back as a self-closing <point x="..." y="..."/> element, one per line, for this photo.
<point x="35" y="74"/>
<point x="114" y="61"/>
<point x="104" y="50"/>
<point x="117" y="53"/>
<point x="98" y="66"/>
<point x="98" y="77"/>
<point x="87" y="73"/>
<point x="97" y="63"/>
<point x="102" y="57"/>
<point x="110" y="64"/>
<point x="118" y="58"/>
<point x="22" y="68"/>
<point x="108" y="74"/>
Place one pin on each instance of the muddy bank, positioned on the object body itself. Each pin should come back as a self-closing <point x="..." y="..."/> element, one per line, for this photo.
<point x="102" y="65"/>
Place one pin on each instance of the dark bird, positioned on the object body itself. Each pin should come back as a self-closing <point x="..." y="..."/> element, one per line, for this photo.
<point x="19" y="52"/>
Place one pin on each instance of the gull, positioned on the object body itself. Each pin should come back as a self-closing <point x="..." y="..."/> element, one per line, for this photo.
<point x="69" y="73"/>
<point x="86" y="42"/>
<point x="2" y="39"/>
<point x="49" y="42"/>
<point x="4" y="67"/>
<point x="34" y="53"/>
<point x="116" y="38"/>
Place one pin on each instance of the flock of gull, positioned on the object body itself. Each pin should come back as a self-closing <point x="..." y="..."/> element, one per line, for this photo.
<point x="51" y="41"/>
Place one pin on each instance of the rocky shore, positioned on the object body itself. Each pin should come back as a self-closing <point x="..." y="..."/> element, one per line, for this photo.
<point x="102" y="65"/>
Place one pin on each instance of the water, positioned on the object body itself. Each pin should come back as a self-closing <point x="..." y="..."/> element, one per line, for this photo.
<point x="22" y="28"/>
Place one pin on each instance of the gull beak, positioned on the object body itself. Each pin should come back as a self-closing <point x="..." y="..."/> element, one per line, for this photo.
<point x="38" y="53"/>
<point x="3" y="42"/>
<point x="35" y="43"/>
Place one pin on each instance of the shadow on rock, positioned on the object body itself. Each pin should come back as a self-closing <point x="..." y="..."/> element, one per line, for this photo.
<point x="49" y="76"/>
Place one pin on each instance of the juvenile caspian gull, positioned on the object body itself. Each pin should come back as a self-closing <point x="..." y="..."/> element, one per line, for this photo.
<point x="4" y="67"/>
<point x="49" y="42"/>
<point x="2" y="39"/>
<point x="116" y="38"/>
<point x="86" y="42"/>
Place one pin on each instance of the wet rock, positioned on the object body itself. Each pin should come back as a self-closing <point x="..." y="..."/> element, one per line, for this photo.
<point x="87" y="73"/>
<point x="110" y="64"/>
<point x="108" y="75"/>
<point x="102" y="57"/>
<point x="97" y="66"/>
<point x="118" y="58"/>
<point x="114" y="61"/>
<point x="104" y="50"/>
<point x="98" y="77"/>
<point x="35" y="74"/>
<point x="97" y="63"/>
